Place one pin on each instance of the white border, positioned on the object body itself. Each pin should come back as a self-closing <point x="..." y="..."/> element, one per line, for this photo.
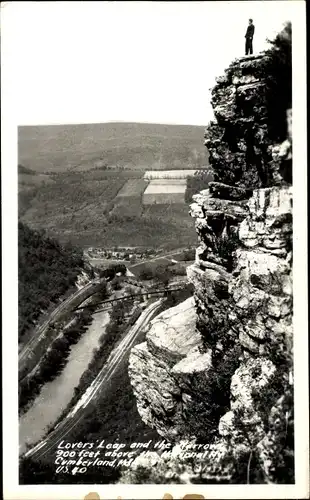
<point x="13" y="491"/>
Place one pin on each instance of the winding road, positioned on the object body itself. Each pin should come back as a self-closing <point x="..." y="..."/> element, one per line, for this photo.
<point x="130" y="267"/>
<point x="45" y="448"/>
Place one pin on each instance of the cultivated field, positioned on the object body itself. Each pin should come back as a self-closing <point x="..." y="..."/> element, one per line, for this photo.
<point x="167" y="182"/>
<point x="168" y="174"/>
<point x="127" y="206"/>
<point x="133" y="187"/>
<point x="99" y="213"/>
<point x="163" y="198"/>
<point x="165" y="191"/>
<point x="164" y="188"/>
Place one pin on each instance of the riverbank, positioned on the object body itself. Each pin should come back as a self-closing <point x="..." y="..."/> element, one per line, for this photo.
<point x="55" y="396"/>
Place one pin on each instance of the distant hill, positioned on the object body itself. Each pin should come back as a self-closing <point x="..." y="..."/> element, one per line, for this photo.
<point x="71" y="178"/>
<point x="58" y="148"/>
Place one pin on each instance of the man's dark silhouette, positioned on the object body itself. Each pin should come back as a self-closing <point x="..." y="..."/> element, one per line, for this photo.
<point x="249" y="38"/>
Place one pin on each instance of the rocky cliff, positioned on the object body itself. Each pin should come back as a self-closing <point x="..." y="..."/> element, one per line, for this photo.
<point x="218" y="367"/>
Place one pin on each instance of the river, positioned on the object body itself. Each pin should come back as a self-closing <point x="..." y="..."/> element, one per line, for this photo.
<point x="56" y="395"/>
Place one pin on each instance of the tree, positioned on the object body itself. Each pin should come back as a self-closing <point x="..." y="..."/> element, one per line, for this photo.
<point x="120" y="268"/>
<point x="279" y="77"/>
<point x="116" y="283"/>
<point x="146" y="272"/>
<point x="196" y="183"/>
<point x="163" y="274"/>
<point x="118" y="312"/>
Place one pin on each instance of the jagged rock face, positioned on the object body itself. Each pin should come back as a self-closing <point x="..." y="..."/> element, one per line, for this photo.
<point x="273" y="456"/>
<point x="172" y="373"/>
<point x="262" y="285"/>
<point x="253" y="307"/>
<point x="234" y="338"/>
<point x="166" y="370"/>
<point x="216" y="225"/>
<point x="268" y="225"/>
<point x="241" y="149"/>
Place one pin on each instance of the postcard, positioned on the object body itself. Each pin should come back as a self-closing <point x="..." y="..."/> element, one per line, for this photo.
<point x="154" y="250"/>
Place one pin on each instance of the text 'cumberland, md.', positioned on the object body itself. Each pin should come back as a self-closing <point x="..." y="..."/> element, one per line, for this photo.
<point x="77" y="458"/>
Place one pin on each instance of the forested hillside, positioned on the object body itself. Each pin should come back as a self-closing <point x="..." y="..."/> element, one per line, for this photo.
<point x="46" y="271"/>
<point x="84" y="183"/>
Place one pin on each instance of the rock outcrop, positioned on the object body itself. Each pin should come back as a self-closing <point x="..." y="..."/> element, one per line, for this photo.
<point x="242" y="143"/>
<point x="167" y="369"/>
<point x="218" y="367"/>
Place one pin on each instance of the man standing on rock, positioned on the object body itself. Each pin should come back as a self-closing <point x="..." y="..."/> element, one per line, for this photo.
<point x="249" y="38"/>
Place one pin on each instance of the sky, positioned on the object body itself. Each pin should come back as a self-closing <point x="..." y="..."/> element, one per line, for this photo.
<point x="86" y="62"/>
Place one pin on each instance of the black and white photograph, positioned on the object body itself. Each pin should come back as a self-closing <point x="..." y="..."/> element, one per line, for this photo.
<point x="153" y="335"/>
